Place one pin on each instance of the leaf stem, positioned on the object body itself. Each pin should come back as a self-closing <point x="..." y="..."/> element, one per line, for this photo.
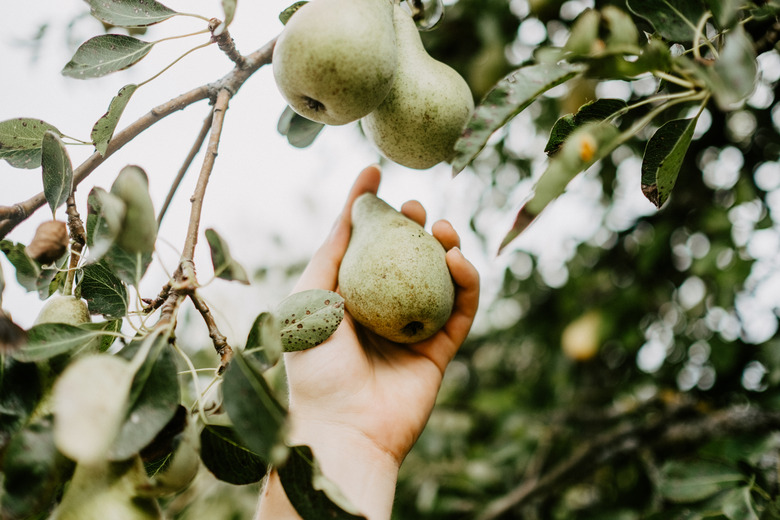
<point x="195" y="382"/>
<point x="673" y="79"/>
<point x="174" y="62"/>
<point x="699" y="35"/>
<point x="179" y="36"/>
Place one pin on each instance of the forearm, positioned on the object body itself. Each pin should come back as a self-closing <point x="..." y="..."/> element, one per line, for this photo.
<point x="365" y="474"/>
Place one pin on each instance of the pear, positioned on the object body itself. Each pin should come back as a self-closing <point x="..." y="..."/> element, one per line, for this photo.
<point x="335" y="60"/>
<point x="427" y="108"/>
<point x="394" y="277"/>
<point x="139" y="228"/>
<point x="64" y="309"/>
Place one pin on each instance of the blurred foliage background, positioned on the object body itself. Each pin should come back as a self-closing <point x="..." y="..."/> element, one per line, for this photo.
<point x="569" y="403"/>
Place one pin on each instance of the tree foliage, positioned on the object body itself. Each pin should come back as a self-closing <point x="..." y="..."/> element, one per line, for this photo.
<point x="634" y="375"/>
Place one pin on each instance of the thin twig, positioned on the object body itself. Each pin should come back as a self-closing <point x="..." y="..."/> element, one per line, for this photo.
<point x="218" y="118"/>
<point x="204" y="131"/>
<point x="78" y="239"/>
<point x="12" y="215"/>
<point x="153" y="305"/>
<point x="220" y="341"/>
<point x="220" y="35"/>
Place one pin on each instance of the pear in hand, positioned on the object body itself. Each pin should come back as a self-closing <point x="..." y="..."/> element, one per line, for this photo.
<point x="394" y="277"/>
<point x="427" y="108"/>
<point x="335" y="60"/>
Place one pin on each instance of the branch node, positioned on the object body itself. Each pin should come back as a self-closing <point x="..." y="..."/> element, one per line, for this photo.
<point x="221" y="36"/>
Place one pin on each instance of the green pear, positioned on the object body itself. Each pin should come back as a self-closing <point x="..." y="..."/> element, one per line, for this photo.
<point x="394" y="277"/>
<point x="64" y="309"/>
<point x="139" y="228"/>
<point x="335" y="60"/>
<point x="107" y="491"/>
<point x="427" y="108"/>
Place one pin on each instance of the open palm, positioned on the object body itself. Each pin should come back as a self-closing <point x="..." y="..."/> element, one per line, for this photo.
<point x="359" y="382"/>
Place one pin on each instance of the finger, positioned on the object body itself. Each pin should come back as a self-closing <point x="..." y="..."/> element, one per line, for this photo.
<point x="323" y="268"/>
<point x="415" y="211"/>
<point x="443" y="346"/>
<point x="446" y="234"/>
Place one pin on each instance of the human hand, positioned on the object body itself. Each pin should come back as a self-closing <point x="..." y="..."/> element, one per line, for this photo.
<point x="359" y="400"/>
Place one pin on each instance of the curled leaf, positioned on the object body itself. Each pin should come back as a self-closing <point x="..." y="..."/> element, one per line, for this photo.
<point x="104" y="128"/>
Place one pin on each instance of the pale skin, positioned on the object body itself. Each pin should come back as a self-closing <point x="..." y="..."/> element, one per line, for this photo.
<point x="359" y="401"/>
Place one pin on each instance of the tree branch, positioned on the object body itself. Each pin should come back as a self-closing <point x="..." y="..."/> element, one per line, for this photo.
<point x="673" y="429"/>
<point x="224" y="350"/>
<point x="11" y="216"/>
<point x="220" y="107"/>
<point x="196" y="146"/>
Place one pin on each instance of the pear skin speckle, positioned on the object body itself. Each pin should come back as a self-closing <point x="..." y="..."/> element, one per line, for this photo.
<point x="394" y="276"/>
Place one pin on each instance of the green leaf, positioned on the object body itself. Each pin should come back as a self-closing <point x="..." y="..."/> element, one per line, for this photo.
<point x="153" y="400"/>
<point x="27" y="269"/>
<point x="595" y="111"/>
<point x="654" y="56"/>
<point x="581" y="150"/>
<point x="104" y="291"/>
<point x="20" y="391"/>
<point x="691" y="481"/>
<point x="674" y="20"/>
<point x="264" y="344"/>
<point x="105" y="54"/>
<point x="312" y="495"/>
<point x="57" y="170"/>
<point x="733" y="77"/>
<point x="738" y="504"/>
<point x="725" y="12"/>
<point x="130" y="13"/>
<point x="34" y="472"/>
<point x="300" y="132"/>
<point x="229" y="8"/>
<point x="223" y="453"/>
<point x="225" y="266"/>
<point x="106" y="213"/>
<point x="285" y="15"/>
<point x="308" y="318"/>
<point x="663" y="158"/>
<point x="104" y="128"/>
<point x="20" y="141"/>
<point x="622" y="33"/>
<point x="584" y="33"/>
<point x="129" y="267"/>
<point x="257" y="415"/>
<point x="509" y="97"/>
<point x="48" y="340"/>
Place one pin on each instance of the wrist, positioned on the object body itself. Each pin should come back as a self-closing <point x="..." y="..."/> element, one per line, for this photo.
<point x="365" y="473"/>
